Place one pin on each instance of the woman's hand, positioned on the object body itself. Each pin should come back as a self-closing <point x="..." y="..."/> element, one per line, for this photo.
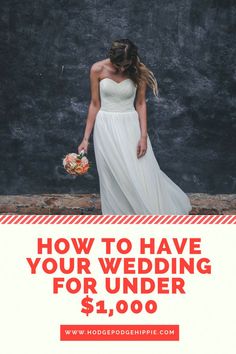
<point x="83" y="146"/>
<point x="142" y="147"/>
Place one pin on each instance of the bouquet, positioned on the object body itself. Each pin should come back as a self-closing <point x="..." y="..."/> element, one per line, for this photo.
<point x="76" y="164"/>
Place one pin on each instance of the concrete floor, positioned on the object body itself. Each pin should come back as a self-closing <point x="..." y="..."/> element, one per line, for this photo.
<point x="79" y="204"/>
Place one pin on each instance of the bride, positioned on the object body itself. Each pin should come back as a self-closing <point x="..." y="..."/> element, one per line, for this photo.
<point x="130" y="179"/>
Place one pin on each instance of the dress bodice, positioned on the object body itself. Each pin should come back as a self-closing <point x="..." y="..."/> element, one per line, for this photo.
<point x="117" y="96"/>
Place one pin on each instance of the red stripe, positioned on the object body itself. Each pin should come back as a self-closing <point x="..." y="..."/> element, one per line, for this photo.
<point x="226" y="219"/>
<point x="35" y="221"/>
<point x="220" y="219"/>
<point x="200" y="219"/>
<point x="104" y="219"/>
<point x="115" y="219"/>
<point x="118" y="219"/>
<point x="81" y="217"/>
<point x="24" y="219"/>
<point x="72" y="219"/>
<point x="122" y="219"/>
<point x="207" y="219"/>
<point x="158" y="219"/>
<point x="165" y="220"/>
<point x="30" y="218"/>
<point x="20" y="218"/>
<point x="13" y="218"/>
<point x="65" y="221"/>
<point x="177" y="219"/>
<point x="43" y="219"/>
<point x="49" y="219"/>
<point x="184" y="218"/>
<point x="139" y="221"/>
<point x="171" y="219"/>
<point x="147" y="219"/>
<point x="61" y="219"/>
<point x="214" y="217"/>
<point x="127" y="220"/>
<point x="151" y="221"/>
<point x="85" y="219"/>
<point x="6" y="219"/>
<point x="92" y="219"/>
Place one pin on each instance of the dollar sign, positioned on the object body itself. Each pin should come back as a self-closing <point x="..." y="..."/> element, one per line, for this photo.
<point x="87" y="305"/>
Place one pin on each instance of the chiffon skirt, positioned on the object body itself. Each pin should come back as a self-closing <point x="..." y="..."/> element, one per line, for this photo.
<point x="131" y="185"/>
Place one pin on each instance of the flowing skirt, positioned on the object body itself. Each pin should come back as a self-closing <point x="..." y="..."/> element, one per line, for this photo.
<point x="131" y="185"/>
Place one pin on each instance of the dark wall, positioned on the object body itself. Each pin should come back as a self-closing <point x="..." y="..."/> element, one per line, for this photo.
<point x="48" y="49"/>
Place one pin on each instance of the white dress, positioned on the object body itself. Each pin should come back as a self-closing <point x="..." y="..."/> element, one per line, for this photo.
<point x="129" y="185"/>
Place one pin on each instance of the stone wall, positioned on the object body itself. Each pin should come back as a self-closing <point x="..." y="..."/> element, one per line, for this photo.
<point x="86" y="204"/>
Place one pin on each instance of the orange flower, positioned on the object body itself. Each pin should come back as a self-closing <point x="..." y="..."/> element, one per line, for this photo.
<point x="76" y="164"/>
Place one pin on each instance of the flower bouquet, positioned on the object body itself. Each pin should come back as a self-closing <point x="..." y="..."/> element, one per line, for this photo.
<point x="76" y="164"/>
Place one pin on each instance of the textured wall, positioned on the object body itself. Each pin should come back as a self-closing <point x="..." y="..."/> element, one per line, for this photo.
<point x="48" y="49"/>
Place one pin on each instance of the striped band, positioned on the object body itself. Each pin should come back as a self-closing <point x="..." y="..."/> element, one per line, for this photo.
<point x="117" y="219"/>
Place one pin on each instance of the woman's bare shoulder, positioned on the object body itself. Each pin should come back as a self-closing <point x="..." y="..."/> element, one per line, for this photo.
<point x="98" y="66"/>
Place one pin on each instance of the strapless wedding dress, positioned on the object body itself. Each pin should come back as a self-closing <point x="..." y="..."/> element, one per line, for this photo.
<point x="129" y="185"/>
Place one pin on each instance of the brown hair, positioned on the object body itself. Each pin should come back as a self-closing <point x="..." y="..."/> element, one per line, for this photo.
<point x="124" y="49"/>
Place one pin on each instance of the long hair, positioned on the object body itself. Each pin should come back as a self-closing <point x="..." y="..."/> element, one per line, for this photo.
<point x="124" y="49"/>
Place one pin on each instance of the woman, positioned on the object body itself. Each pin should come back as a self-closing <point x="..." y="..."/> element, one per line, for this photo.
<point x="131" y="181"/>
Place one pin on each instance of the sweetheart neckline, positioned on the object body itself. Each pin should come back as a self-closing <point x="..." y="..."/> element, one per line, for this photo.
<point x="114" y="80"/>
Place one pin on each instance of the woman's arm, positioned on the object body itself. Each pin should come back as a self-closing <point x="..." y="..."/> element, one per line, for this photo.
<point x="141" y="108"/>
<point x="94" y="106"/>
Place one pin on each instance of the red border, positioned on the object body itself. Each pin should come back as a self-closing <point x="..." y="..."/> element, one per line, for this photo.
<point x="117" y="219"/>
